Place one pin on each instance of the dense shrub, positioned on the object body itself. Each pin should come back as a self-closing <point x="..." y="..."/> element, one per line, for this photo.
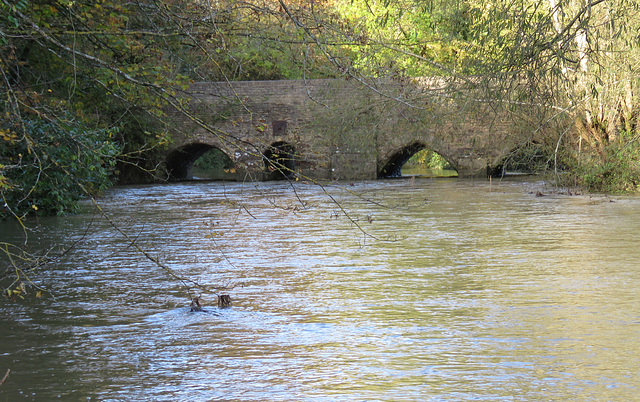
<point x="46" y="168"/>
<point x="615" y="169"/>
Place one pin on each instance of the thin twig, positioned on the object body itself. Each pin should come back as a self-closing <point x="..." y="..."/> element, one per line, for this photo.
<point x="5" y="377"/>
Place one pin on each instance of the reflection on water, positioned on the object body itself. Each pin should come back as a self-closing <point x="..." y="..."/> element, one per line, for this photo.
<point x="458" y="290"/>
<point x="419" y="171"/>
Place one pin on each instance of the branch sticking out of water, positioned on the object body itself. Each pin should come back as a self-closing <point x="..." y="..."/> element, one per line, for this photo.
<point x="5" y="377"/>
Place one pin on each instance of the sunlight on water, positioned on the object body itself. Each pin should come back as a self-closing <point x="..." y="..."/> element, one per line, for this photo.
<point x="431" y="289"/>
<point x="419" y="171"/>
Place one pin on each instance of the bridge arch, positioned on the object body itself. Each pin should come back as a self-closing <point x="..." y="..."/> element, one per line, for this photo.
<point x="529" y="157"/>
<point x="179" y="162"/>
<point x="393" y="166"/>
<point x="280" y="160"/>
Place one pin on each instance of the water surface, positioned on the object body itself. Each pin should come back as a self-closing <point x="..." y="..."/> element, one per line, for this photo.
<point x="429" y="289"/>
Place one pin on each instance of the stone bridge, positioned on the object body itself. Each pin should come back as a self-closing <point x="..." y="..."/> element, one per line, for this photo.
<point x="338" y="129"/>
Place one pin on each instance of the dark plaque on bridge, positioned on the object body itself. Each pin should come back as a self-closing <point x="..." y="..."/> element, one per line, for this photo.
<point x="279" y="127"/>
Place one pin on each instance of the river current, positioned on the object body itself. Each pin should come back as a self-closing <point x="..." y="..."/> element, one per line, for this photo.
<point x="395" y="290"/>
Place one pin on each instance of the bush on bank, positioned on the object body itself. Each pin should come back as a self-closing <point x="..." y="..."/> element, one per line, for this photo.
<point x="615" y="168"/>
<point x="46" y="167"/>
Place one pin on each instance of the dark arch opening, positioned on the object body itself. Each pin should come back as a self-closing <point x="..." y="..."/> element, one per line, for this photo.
<point x="213" y="165"/>
<point x="279" y="160"/>
<point x="528" y="158"/>
<point x="422" y="161"/>
<point x="180" y="162"/>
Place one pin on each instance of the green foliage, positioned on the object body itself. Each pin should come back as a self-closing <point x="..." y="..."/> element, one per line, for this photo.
<point x="406" y="36"/>
<point x="442" y="38"/>
<point x="214" y="159"/>
<point x="429" y="160"/>
<point x="615" y="170"/>
<point x="47" y="167"/>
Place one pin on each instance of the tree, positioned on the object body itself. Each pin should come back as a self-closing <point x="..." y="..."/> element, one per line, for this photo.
<point x="574" y="62"/>
<point x="603" y="89"/>
<point x="86" y="86"/>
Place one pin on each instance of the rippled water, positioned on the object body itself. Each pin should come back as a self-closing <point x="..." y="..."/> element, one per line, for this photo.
<point x="440" y="290"/>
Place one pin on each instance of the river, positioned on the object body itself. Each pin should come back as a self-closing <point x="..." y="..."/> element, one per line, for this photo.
<point x="425" y="290"/>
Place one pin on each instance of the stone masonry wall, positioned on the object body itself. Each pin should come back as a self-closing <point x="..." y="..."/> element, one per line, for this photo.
<point x="339" y="128"/>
